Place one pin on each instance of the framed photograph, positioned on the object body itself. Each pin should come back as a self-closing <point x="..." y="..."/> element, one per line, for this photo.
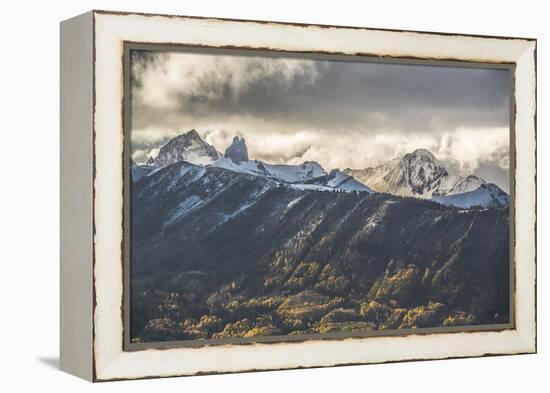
<point x="246" y="195"/>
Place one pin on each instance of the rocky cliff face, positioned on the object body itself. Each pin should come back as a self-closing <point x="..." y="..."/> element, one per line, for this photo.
<point x="237" y="151"/>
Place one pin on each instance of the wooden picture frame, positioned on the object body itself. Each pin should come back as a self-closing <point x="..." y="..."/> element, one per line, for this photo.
<point x="95" y="181"/>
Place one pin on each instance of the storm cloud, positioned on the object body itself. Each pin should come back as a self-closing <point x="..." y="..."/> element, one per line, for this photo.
<point x="340" y="113"/>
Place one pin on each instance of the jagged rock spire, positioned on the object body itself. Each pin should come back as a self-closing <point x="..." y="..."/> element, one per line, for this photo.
<point x="237" y="151"/>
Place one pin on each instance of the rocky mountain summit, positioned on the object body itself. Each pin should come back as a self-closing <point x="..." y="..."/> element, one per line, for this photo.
<point x="417" y="172"/>
<point x="422" y="175"/>
<point x="185" y="147"/>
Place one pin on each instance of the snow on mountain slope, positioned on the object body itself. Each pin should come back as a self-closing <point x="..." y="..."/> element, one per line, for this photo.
<point x="250" y="167"/>
<point x="295" y="173"/>
<point x="309" y="186"/>
<point x="188" y="147"/>
<point x="307" y="176"/>
<point x="448" y="184"/>
<point x="454" y="184"/>
<point x="285" y="173"/>
<point x="339" y="180"/>
<point x="336" y="180"/>
<point x="486" y="195"/>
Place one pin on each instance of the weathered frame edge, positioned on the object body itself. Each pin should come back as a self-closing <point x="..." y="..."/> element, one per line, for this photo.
<point x="76" y="196"/>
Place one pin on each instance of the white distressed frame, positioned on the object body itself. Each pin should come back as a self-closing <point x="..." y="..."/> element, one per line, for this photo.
<point x="111" y="30"/>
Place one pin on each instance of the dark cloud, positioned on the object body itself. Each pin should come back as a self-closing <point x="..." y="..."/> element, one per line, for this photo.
<point x="395" y="98"/>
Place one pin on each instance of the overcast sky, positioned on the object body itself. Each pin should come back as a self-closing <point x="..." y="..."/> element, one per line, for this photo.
<point x="341" y="114"/>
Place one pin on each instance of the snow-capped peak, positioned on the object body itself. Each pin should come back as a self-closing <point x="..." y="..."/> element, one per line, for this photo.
<point x="422" y="175"/>
<point x="419" y="170"/>
<point x="185" y="147"/>
<point x="417" y="173"/>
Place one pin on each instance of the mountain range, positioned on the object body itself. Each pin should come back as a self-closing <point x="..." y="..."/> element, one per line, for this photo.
<point x="225" y="246"/>
<point x="191" y="148"/>
<point x="418" y="174"/>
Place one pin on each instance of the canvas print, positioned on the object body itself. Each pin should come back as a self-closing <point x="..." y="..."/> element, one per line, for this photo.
<point x="277" y="196"/>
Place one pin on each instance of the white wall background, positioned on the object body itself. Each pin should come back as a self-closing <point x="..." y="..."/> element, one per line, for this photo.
<point x="29" y="183"/>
